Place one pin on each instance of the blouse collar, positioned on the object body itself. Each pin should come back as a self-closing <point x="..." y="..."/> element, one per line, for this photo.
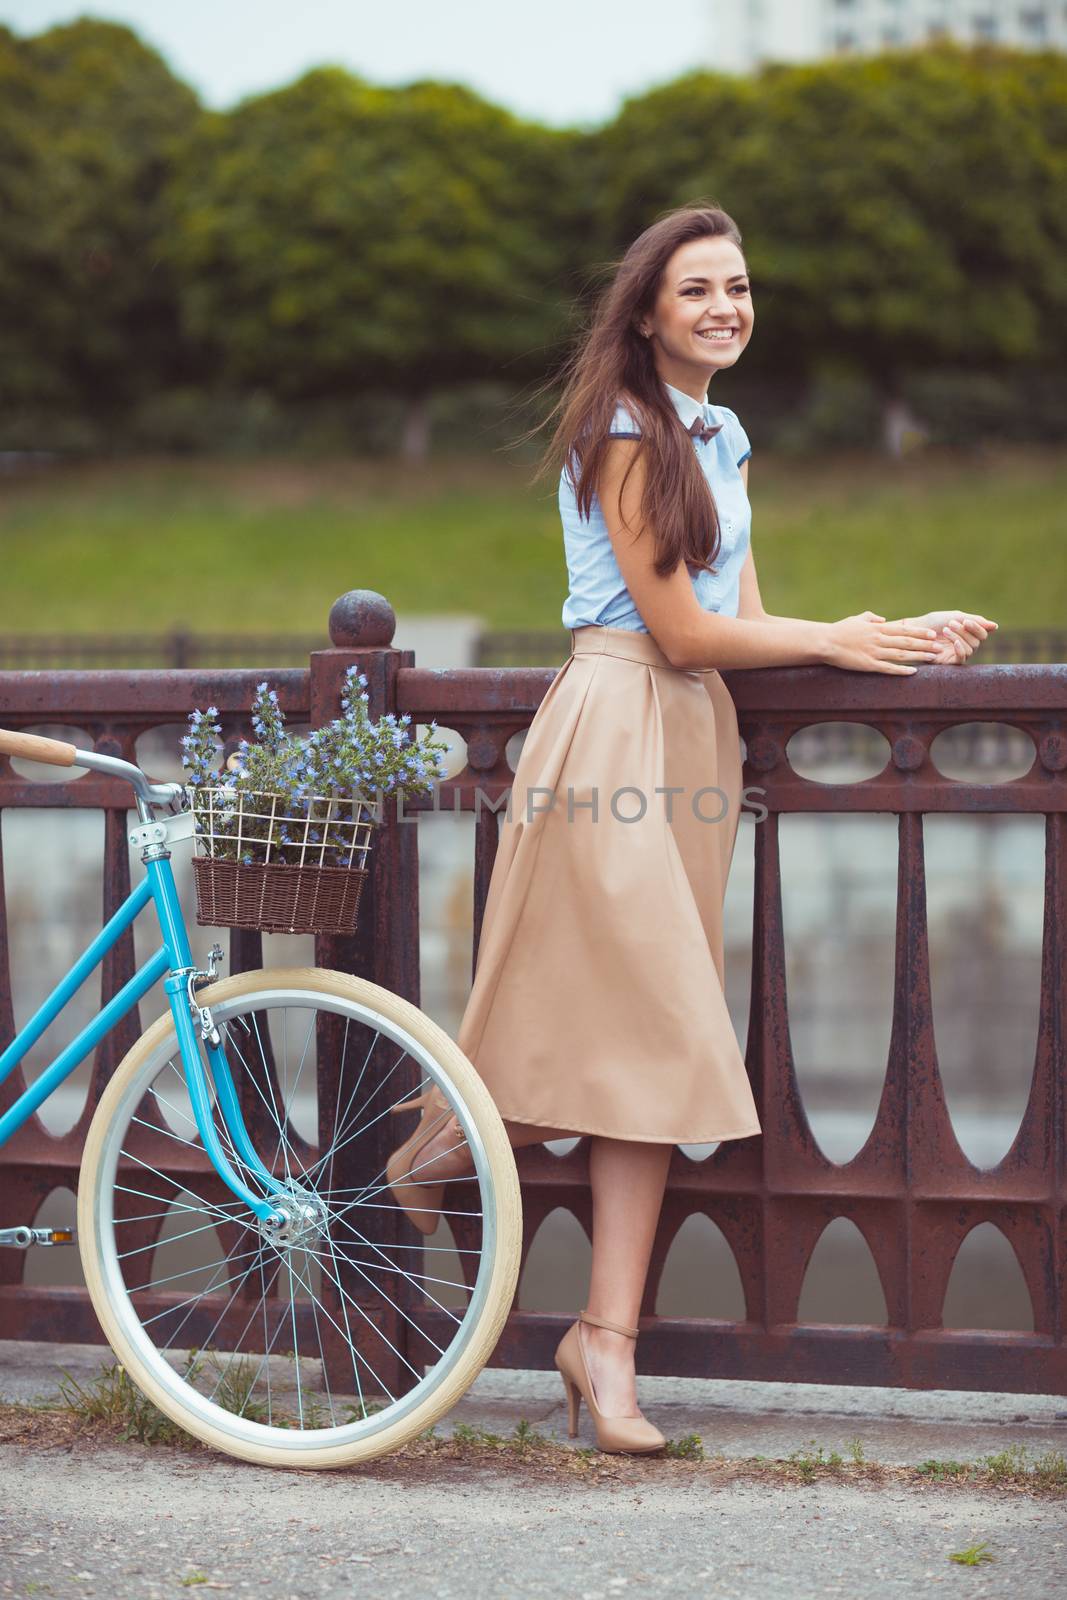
<point x="687" y="408"/>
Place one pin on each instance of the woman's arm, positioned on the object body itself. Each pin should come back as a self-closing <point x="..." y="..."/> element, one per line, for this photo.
<point x="694" y="639"/>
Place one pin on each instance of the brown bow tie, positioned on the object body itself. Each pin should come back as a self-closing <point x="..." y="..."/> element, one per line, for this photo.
<point x="704" y="430"/>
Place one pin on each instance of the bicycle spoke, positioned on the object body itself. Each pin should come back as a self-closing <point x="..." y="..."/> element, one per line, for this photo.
<point x="268" y="1078"/>
<point x="340" y="1080"/>
<point x="350" y="1136"/>
<point x="296" y="1343"/>
<point x="350" y="1340"/>
<point x="266" y="1345"/>
<point x="375" y="1205"/>
<point x="416" y="1279"/>
<point x="271" y="1107"/>
<point x="174" y="1238"/>
<point x="384" y="1386"/>
<point x="161" y="1099"/>
<point x="193" y="1144"/>
<point x="157" y="1283"/>
<point x="383" y="1336"/>
<point x="339" y="1132"/>
<point x="398" y="1309"/>
<point x="370" y="1191"/>
<point x="205" y="1208"/>
<point x="233" y="1296"/>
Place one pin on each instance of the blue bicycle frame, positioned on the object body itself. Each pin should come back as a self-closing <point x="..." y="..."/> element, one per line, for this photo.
<point x="173" y="963"/>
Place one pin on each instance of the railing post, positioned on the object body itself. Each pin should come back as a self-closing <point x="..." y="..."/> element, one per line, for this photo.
<point x="384" y="949"/>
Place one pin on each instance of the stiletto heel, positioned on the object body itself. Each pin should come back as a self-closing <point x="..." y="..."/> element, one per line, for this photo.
<point x="574" y="1402"/>
<point x="634" y="1435"/>
<point x="410" y="1105"/>
<point x="421" y="1201"/>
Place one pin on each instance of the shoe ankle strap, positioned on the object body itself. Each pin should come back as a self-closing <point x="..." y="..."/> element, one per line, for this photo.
<point x="602" y="1322"/>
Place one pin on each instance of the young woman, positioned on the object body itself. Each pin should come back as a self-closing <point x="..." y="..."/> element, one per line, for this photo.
<point x="597" y="1006"/>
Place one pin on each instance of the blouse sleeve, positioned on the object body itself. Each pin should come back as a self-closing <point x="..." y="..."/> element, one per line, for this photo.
<point x="624" y="424"/>
<point x="739" y="438"/>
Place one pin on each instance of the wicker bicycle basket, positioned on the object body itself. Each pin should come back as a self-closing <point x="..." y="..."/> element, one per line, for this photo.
<point x="258" y="865"/>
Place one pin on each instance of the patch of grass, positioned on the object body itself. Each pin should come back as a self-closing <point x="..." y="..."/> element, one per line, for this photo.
<point x="192" y="1578"/>
<point x="235" y="1379"/>
<point x="523" y="1442"/>
<point x="1006" y="1465"/>
<point x="972" y="1556"/>
<point x="113" y="1398"/>
<point x="1012" y="1466"/>
<point x="281" y="539"/>
<point x="526" y="1438"/>
<point x="855" y="1450"/>
<point x="464" y="1433"/>
<point x="690" y="1447"/>
<point x="940" y="1470"/>
<point x="809" y="1464"/>
<point x="368" y="1408"/>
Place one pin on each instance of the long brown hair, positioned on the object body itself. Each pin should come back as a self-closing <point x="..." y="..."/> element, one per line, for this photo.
<point x="613" y="361"/>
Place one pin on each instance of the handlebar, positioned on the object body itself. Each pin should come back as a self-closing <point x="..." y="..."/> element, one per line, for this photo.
<point x="34" y="747"/>
<point x="57" y="753"/>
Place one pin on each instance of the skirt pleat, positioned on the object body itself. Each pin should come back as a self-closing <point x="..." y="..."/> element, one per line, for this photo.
<point x="598" y="1000"/>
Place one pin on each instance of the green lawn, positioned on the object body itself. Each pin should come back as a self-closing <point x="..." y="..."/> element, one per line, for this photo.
<point x="132" y="546"/>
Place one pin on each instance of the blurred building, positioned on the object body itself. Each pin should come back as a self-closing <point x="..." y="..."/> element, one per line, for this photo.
<point x="746" y="33"/>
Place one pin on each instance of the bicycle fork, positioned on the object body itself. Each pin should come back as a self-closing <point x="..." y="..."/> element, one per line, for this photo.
<point x="190" y="1017"/>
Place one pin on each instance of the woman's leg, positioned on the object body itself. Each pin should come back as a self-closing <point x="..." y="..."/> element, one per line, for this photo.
<point x="627" y="1179"/>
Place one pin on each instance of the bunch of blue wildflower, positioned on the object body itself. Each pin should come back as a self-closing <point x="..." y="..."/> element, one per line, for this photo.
<point x="200" y="747"/>
<point x="326" y="786"/>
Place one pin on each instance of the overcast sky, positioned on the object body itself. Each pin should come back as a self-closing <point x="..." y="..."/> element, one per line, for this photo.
<point x="559" y="61"/>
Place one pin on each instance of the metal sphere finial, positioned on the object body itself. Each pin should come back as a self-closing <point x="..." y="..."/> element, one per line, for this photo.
<point x="361" y="618"/>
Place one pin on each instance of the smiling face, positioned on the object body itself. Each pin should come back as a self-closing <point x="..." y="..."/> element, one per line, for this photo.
<point x="702" y="318"/>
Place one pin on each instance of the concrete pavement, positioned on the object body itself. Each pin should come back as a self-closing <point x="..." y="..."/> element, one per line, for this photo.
<point x="127" y="1520"/>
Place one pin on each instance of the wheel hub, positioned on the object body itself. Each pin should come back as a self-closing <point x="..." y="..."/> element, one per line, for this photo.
<point x="305" y="1218"/>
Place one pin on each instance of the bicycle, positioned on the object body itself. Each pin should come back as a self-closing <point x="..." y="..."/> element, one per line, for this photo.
<point x="273" y="1235"/>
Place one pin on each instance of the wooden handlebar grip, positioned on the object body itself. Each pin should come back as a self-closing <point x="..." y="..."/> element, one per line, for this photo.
<point x="34" y="747"/>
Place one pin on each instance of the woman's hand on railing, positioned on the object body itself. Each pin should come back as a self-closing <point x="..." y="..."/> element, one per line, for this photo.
<point x="959" y="634"/>
<point x="868" y="643"/>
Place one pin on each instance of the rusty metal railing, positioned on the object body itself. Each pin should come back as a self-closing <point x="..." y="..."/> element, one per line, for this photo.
<point x="911" y="1191"/>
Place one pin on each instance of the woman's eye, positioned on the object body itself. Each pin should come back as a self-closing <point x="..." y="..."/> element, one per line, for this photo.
<point x="741" y="288"/>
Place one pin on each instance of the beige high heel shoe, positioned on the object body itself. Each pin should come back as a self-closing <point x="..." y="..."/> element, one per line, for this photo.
<point x="633" y="1435"/>
<point x="421" y="1201"/>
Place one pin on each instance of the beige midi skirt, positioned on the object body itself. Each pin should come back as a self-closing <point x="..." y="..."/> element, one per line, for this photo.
<point x="597" y="1004"/>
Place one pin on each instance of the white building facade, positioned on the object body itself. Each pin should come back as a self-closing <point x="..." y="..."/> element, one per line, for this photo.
<point x="746" y="33"/>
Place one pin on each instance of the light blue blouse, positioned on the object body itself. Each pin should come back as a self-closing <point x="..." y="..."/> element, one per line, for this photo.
<point x="597" y="593"/>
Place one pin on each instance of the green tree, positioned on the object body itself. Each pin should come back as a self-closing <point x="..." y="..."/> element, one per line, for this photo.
<point x="335" y="237"/>
<point x="88" y="120"/>
<point x="900" y="211"/>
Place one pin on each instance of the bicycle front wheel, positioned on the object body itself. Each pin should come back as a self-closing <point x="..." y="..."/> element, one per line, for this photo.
<point x="346" y="1333"/>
